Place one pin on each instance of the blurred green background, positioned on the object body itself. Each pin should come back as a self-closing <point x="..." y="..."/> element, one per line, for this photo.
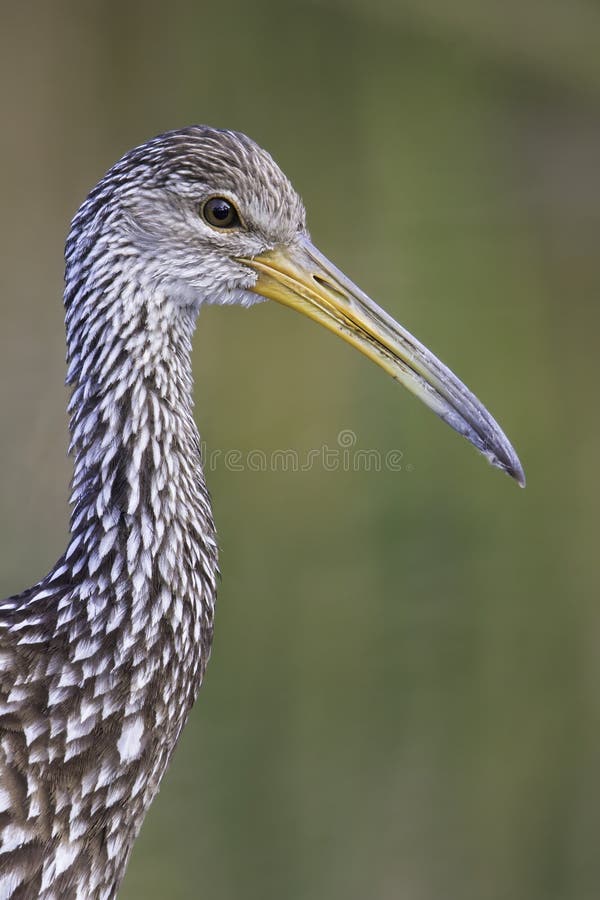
<point x="404" y="694"/>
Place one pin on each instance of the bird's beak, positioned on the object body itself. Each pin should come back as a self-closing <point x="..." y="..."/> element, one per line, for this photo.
<point x="298" y="275"/>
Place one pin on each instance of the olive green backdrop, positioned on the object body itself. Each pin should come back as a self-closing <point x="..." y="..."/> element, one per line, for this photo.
<point x="404" y="697"/>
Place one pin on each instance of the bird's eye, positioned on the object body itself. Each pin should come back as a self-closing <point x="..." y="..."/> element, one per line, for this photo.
<point x="220" y="213"/>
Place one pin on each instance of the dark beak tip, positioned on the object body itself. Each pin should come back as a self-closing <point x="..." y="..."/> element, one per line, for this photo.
<point x="515" y="470"/>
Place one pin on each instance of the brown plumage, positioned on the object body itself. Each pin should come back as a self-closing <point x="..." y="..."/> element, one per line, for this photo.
<point x="101" y="660"/>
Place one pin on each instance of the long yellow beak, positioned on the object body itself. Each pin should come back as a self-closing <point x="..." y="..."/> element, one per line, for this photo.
<point x="298" y="275"/>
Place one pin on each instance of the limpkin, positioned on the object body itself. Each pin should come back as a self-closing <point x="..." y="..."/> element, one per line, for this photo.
<point x="103" y="658"/>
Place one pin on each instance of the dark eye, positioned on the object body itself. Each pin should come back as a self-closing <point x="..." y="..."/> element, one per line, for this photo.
<point x="220" y="213"/>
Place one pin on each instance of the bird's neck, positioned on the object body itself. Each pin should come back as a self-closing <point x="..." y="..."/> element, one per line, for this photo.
<point x="116" y="637"/>
<point x="141" y="524"/>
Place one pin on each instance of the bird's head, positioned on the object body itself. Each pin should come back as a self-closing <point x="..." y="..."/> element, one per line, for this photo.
<point x="191" y="204"/>
<point x="209" y="217"/>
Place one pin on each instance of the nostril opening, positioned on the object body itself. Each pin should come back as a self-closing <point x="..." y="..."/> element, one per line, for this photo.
<point x="329" y="286"/>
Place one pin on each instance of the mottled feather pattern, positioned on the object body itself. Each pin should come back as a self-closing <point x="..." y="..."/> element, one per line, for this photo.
<point x="101" y="661"/>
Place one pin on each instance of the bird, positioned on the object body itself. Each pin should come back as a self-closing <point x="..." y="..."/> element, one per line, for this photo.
<point x="102" y="659"/>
